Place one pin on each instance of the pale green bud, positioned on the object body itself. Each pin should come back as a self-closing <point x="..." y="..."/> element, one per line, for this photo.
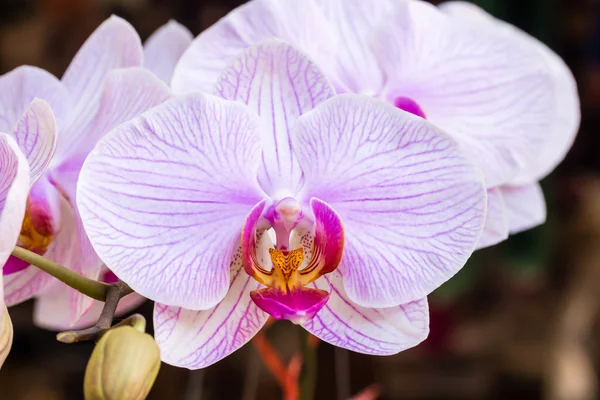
<point x="6" y="332"/>
<point x="123" y="366"/>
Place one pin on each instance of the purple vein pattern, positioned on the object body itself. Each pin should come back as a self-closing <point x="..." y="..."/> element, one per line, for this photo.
<point x="382" y="331"/>
<point x="197" y="339"/>
<point x="411" y="202"/>
<point x="176" y="181"/>
<point x="212" y="51"/>
<point x="280" y="83"/>
<point x="36" y="135"/>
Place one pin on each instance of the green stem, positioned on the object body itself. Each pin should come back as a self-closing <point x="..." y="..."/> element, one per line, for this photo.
<point x="91" y="288"/>
<point x="308" y="375"/>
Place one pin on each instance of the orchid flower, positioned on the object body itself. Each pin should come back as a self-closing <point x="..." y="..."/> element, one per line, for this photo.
<point x="161" y="52"/>
<point x="227" y="210"/>
<point x="14" y="187"/>
<point x="104" y="85"/>
<point x="493" y="88"/>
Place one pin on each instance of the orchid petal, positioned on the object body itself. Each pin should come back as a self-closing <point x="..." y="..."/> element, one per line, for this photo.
<point x="163" y="197"/>
<point x="114" y="44"/>
<point x="481" y="86"/>
<point x="126" y="93"/>
<point x="382" y="331"/>
<point x="355" y="67"/>
<point x="197" y="339"/>
<point x="36" y="136"/>
<point x="412" y="203"/>
<point x="52" y="309"/>
<point x="280" y="83"/>
<point x="299" y="22"/>
<point x="26" y="282"/>
<point x="567" y="115"/>
<point x="495" y="229"/>
<point x="164" y="47"/>
<point x="525" y="205"/>
<point x="21" y="86"/>
<point x="14" y="188"/>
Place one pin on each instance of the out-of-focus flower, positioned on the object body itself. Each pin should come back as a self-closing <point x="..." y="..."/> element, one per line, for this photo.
<point x="123" y="366"/>
<point x="506" y="97"/>
<point x="14" y="186"/>
<point x="104" y="85"/>
<point x="164" y="47"/>
<point x="165" y="197"/>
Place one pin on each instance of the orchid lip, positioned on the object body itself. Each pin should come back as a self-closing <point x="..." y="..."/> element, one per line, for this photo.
<point x="286" y="296"/>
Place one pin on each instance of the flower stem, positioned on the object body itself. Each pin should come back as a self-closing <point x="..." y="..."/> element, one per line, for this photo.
<point x="308" y="375"/>
<point x="91" y="288"/>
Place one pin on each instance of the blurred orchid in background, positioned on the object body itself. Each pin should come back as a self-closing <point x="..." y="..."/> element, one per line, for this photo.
<point x="186" y="202"/>
<point x="14" y="186"/>
<point x="104" y="85"/>
<point x="507" y="98"/>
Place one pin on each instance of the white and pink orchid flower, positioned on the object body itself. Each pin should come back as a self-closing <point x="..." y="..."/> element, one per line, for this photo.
<point x="124" y="98"/>
<point x="503" y="95"/>
<point x="14" y="187"/>
<point x="104" y="86"/>
<point x="225" y="210"/>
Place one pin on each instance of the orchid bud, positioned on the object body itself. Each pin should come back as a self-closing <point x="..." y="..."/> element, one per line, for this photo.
<point x="6" y="334"/>
<point x="123" y="366"/>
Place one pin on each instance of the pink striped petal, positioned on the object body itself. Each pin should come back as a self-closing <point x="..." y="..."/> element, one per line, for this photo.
<point x="301" y="23"/>
<point x="495" y="229"/>
<point x="280" y="83"/>
<point x="21" y="86"/>
<point x="383" y="331"/>
<point x="412" y="202"/>
<point x="487" y="89"/>
<point x="355" y="68"/>
<point x="36" y="136"/>
<point x="14" y="188"/>
<point x="197" y="339"/>
<point x="567" y="115"/>
<point x="164" y="48"/>
<point x="164" y="196"/>
<point x="114" y="44"/>
<point x="525" y="205"/>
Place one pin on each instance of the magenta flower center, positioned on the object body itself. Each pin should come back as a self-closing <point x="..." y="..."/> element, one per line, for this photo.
<point x="409" y="105"/>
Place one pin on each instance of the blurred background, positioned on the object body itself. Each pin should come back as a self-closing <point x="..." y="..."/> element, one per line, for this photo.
<point x="520" y="321"/>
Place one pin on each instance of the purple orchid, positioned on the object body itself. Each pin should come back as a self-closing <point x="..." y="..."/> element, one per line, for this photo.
<point x="225" y="210"/>
<point x="104" y="86"/>
<point x="14" y="186"/>
<point x="507" y="98"/>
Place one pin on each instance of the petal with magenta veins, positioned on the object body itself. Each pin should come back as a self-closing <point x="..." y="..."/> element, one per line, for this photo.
<point x="197" y="339"/>
<point x="300" y="23"/>
<point x="495" y="229"/>
<point x="412" y="202"/>
<point x="114" y="44"/>
<point x="19" y="87"/>
<point x="164" y="48"/>
<point x="36" y="135"/>
<point x="485" y="88"/>
<point x="14" y="188"/>
<point x="163" y="197"/>
<point x="567" y="115"/>
<point x="525" y="205"/>
<point x="382" y="331"/>
<point x="280" y="83"/>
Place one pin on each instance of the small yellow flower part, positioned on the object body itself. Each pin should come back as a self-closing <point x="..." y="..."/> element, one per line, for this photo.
<point x="123" y="366"/>
<point x="31" y="239"/>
